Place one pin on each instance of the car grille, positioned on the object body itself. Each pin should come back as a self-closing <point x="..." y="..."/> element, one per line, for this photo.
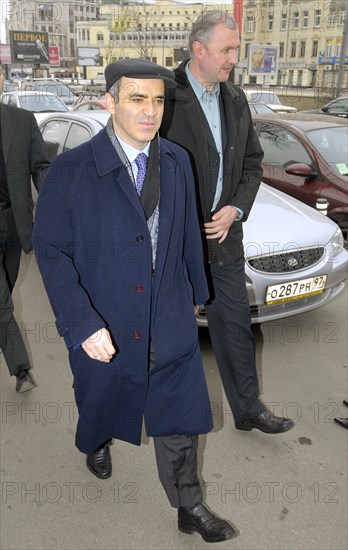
<point x="286" y="262"/>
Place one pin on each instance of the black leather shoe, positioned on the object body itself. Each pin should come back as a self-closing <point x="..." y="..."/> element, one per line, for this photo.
<point x="99" y="463"/>
<point x="25" y="381"/>
<point x="200" y="520"/>
<point x="266" y="422"/>
<point x="342" y="421"/>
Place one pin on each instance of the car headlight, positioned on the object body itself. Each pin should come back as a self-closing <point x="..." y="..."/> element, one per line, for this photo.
<point x="337" y="242"/>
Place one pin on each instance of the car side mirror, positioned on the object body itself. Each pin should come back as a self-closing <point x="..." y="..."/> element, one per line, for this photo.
<point x="301" y="169"/>
<point x="325" y="109"/>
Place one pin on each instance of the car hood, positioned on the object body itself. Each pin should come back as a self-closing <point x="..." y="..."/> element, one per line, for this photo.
<point x="278" y="222"/>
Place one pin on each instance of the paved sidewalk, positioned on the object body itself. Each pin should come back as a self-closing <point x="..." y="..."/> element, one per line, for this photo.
<point x="286" y="491"/>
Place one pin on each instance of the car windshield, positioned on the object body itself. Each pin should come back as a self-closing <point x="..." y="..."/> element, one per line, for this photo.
<point x="265" y="97"/>
<point x="332" y="145"/>
<point x="39" y="103"/>
<point x="52" y="87"/>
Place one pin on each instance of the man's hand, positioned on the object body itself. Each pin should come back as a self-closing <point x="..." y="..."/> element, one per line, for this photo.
<point x="99" y="346"/>
<point x="220" y="224"/>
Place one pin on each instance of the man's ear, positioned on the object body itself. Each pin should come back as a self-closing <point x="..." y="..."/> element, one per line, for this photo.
<point x="110" y="103"/>
<point x="197" y="49"/>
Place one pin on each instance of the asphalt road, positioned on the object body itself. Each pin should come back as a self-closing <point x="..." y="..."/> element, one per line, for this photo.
<point x="285" y="491"/>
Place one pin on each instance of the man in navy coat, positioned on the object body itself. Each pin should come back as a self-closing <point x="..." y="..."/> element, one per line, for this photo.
<point x="121" y="259"/>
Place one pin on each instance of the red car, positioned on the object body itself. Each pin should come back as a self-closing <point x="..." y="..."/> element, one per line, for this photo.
<point x="306" y="156"/>
<point x="90" y="105"/>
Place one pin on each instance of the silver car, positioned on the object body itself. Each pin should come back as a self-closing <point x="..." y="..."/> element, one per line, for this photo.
<point x="295" y="258"/>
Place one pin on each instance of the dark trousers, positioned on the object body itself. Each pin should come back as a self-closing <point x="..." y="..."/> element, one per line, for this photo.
<point x="176" y="458"/>
<point x="11" y="341"/>
<point x="233" y="343"/>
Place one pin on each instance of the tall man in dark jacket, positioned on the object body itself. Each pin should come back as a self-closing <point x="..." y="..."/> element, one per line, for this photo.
<point x="121" y="259"/>
<point x="22" y="157"/>
<point x="210" y="118"/>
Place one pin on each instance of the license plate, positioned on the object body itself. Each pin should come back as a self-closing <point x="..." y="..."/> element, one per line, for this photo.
<point x="285" y="292"/>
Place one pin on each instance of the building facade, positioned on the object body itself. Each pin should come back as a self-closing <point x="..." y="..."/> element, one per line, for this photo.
<point x="309" y="35"/>
<point x="58" y="19"/>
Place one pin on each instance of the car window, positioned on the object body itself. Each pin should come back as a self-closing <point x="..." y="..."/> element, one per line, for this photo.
<point x="281" y="147"/>
<point x="339" y="106"/>
<point x="332" y="145"/>
<point x="83" y="107"/>
<point x="53" y="133"/>
<point x="5" y="99"/>
<point x="77" y="134"/>
<point x="41" y="102"/>
<point x="265" y="97"/>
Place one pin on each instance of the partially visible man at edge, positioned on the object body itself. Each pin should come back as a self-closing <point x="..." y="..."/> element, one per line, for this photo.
<point x="22" y="157"/>
<point x="132" y="305"/>
<point x="210" y="118"/>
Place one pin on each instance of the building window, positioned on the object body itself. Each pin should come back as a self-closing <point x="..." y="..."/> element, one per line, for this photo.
<point x="169" y="61"/>
<point x="332" y="19"/>
<point x="342" y="17"/>
<point x="338" y="48"/>
<point x="46" y="12"/>
<point x="246" y="51"/>
<point x="270" y="22"/>
<point x="305" y="20"/>
<point x="284" y="22"/>
<point x="293" y="49"/>
<point x="291" y="77"/>
<point x="302" y="48"/>
<point x="250" y="24"/>
<point x="296" y="19"/>
<point x="100" y="37"/>
<point x="317" y="18"/>
<point x="299" y="78"/>
<point x="328" y="48"/>
<point x="315" y="48"/>
<point x="281" y="49"/>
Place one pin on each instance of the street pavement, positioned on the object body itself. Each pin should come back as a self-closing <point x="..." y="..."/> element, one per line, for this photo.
<point x="285" y="491"/>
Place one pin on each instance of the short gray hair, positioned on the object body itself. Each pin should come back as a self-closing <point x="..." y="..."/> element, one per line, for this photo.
<point x="115" y="90"/>
<point x="203" y="27"/>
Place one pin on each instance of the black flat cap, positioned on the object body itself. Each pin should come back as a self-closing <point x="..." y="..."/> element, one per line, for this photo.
<point x="137" y="68"/>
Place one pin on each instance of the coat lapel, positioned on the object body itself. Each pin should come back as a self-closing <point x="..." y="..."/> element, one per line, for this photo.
<point x="8" y="128"/>
<point x="107" y="161"/>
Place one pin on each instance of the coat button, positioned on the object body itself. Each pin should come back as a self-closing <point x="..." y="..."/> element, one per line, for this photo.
<point x="139" y="238"/>
<point x="136" y="335"/>
<point x="139" y="288"/>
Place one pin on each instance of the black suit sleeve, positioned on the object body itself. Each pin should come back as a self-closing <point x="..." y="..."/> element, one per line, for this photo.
<point x="38" y="161"/>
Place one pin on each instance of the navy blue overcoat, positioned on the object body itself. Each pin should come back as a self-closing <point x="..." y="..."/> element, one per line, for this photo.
<point x="94" y="252"/>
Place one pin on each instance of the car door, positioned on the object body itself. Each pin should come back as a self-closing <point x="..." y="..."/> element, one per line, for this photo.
<point x="283" y="148"/>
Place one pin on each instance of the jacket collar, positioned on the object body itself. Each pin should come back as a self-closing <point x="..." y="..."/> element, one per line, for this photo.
<point x="183" y="86"/>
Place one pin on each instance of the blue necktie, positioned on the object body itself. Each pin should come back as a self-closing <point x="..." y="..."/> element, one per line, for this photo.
<point x="141" y="162"/>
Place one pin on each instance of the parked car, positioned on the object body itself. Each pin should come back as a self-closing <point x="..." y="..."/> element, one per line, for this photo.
<point x="295" y="258"/>
<point x="257" y="108"/>
<point x="306" y="156"/>
<point x="96" y="104"/>
<point x="337" y="107"/>
<point x="270" y="98"/>
<point x="52" y="86"/>
<point x="36" y="102"/>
